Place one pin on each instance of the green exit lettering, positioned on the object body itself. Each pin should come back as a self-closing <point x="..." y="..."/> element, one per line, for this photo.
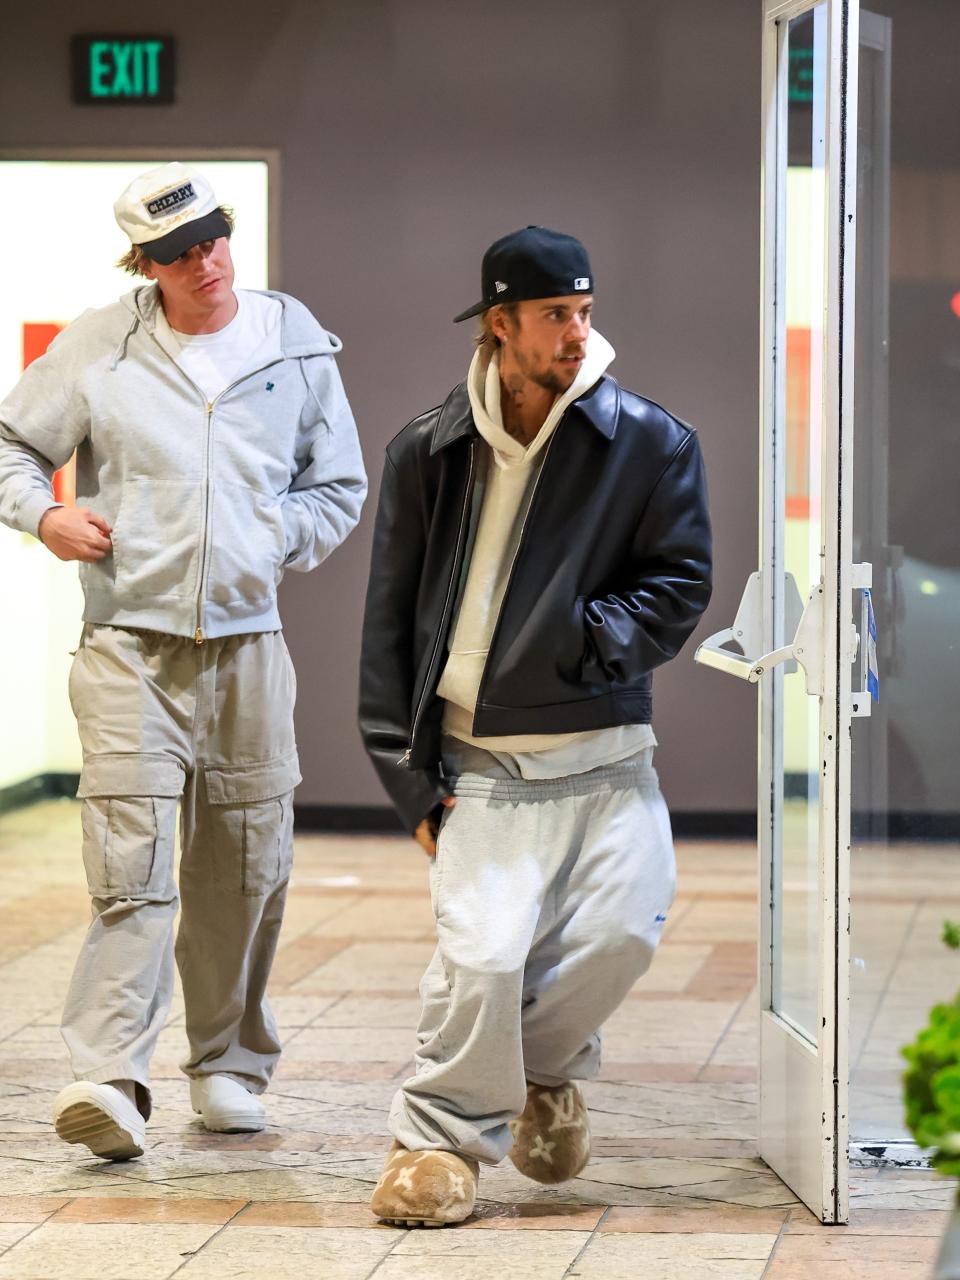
<point x="125" y="70"/>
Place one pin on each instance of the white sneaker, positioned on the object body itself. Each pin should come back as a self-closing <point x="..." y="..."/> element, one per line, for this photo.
<point x="101" y="1117"/>
<point x="225" y="1106"/>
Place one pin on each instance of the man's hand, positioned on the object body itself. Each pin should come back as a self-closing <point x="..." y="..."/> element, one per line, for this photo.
<point x="426" y="833"/>
<point x="75" y="533"/>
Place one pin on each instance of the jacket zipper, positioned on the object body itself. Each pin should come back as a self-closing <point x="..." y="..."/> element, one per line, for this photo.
<point x="513" y="566"/>
<point x="468" y="498"/>
<point x="198" y="635"/>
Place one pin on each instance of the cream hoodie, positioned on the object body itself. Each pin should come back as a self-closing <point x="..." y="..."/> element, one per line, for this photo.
<point x="509" y="471"/>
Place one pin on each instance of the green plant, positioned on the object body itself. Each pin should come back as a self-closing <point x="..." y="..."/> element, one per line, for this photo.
<point x="931" y="1083"/>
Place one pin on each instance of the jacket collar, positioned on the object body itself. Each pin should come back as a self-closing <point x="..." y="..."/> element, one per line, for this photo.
<point x="600" y="406"/>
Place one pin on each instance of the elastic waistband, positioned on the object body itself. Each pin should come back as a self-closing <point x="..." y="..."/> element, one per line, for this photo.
<point x="630" y="776"/>
<point x="171" y="638"/>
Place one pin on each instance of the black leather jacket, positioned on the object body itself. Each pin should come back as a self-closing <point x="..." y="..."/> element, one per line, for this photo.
<point x="610" y="577"/>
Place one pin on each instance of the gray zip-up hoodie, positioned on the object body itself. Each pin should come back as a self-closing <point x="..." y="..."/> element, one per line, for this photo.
<point x="209" y="502"/>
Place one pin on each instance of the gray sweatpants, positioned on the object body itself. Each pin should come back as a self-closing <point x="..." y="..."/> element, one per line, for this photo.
<point x="162" y="719"/>
<point x="549" y="898"/>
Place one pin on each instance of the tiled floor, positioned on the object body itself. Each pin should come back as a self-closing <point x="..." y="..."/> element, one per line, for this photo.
<point x="675" y="1189"/>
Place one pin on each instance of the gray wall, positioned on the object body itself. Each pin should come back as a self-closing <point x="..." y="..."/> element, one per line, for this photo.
<point x="413" y="133"/>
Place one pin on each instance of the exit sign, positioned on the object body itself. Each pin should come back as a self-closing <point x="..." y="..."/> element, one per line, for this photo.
<point x="801" y="77"/>
<point x="120" y="70"/>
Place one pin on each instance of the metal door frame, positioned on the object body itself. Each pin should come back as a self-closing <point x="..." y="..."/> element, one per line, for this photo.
<point x="803" y="1089"/>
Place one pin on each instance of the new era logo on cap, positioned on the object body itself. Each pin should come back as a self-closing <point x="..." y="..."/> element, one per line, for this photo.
<point x="169" y="201"/>
<point x="537" y="262"/>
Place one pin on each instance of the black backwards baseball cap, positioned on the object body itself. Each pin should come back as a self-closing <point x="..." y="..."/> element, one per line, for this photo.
<point x="532" y="263"/>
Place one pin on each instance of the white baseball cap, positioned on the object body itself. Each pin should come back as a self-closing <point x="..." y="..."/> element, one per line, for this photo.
<point x="167" y="211"/>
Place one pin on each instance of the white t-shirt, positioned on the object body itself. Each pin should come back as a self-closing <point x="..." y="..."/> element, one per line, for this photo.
<point x="216" y="360"/>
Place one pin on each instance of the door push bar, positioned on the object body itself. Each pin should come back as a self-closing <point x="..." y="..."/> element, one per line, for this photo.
<point x="803" y="622"/>
<point x="746" y="632"/>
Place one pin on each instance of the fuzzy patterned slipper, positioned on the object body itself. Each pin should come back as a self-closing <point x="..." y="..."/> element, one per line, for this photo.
<point x="425" y="1188"/>
<point x="551" y="1137"/>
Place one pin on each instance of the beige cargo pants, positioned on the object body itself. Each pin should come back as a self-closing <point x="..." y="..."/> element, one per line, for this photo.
<point x="163" y="720"/>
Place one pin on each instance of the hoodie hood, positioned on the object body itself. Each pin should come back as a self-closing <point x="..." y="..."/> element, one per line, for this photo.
<point x="300" y="334"/>
<point x="483" y="388"/>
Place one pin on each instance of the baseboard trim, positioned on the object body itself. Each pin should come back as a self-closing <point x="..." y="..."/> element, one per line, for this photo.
<point x="901" y="825"/>
<point x="42" y="786"/>
<point x="713" y="824"/>
<point x="688" y="824"/>
<point x="380" y="820"/>
<point x="359" y="819"/>
<point x="898" y="1153"/>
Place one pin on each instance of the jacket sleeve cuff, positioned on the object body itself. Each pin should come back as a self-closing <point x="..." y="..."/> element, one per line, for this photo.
<point x="32" y="508"/>
<point x="415" y="793"/>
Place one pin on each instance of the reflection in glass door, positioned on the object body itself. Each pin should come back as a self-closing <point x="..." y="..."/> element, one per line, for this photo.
<point x="905" y="780"/>
<point x="796" y="714"/>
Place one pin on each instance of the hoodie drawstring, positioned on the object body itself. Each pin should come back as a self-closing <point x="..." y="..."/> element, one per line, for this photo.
<point x="121" y="351"/>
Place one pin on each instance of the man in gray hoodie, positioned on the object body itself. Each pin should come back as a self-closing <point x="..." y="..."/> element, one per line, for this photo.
<point x="215" y="448"/>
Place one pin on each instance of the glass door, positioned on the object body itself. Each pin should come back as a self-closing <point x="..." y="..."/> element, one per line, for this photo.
<point x="794" y="627"/>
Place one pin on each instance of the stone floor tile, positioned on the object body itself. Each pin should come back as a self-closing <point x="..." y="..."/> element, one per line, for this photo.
<point x="480" y="1255"/>
<point x="29" y="1208"/>
<point x="350" y="1045"/>
<point x="400" y="1011"/>
<point x="727" y="1074"/>
<point x="296" y="1067"/>
<point x="834" y="1244"/>
<point x="779" y="1270"/>
<point x="675" y="966"/>
<point x="137" y="1209"/>
<point x="874" y="1222"/>
<point x="385" y="966"/>
<point x="299" y="1213"/>
<point x="659" y="1256"/>
<point x="378" y="917"/>
<point x="667" y="1036"/>
<point x="290" y="1253"/>
<point x="672" y="1109"/>
<point x="696" y="1183"/>
<point x="728" y="973"/>
<point x="694" y="1147"/>
<point x="730" y="919"/>
<point x="533" y="1216"/>
<point x="298" y="1011"/>
<point x="12" y="1232"/>
<point x="68" y="1251"/>
<point x="649" y="1072"/>
<point x="673" y="1112"/>
<point x="301" y="958"/>
<point x="900" y="1189"/>
<point x="733" y="1219"/>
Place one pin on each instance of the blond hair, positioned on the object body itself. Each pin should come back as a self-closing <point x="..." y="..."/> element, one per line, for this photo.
<point x="133" y="260"/>
<point x="485" y="338"/>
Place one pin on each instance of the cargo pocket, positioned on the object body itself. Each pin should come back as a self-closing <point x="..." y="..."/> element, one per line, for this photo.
<point x="251" y="823"/>
<point x="129" y="819"/>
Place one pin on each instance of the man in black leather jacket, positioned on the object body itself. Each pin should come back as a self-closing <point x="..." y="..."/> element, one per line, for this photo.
<point x="542" y="544"/>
